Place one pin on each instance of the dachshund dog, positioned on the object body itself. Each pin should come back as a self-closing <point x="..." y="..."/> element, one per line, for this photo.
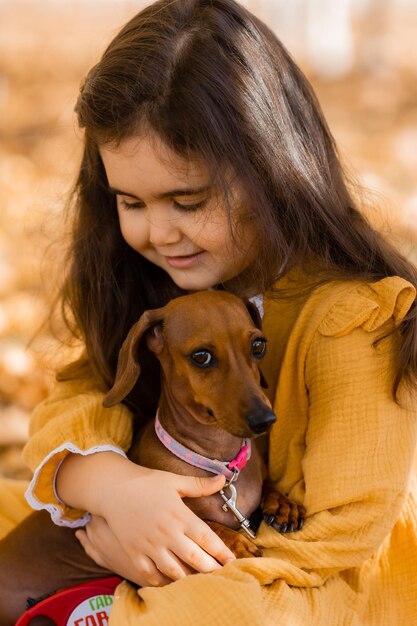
<point x="211" y="411"/>
<point x="209" y="345"/>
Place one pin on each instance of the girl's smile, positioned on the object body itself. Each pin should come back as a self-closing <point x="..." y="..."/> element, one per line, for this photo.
<point x="171" y="214"/>
<point x="184" y="261"/>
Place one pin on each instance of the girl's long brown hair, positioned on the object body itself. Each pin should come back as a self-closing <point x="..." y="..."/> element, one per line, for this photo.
<point x="214" y="82"/>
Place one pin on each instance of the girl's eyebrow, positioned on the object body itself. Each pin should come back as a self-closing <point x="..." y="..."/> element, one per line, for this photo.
<point x="174" y="192"/>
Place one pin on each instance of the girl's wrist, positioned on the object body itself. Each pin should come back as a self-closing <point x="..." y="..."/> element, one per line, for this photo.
<point x="84" y="482"/>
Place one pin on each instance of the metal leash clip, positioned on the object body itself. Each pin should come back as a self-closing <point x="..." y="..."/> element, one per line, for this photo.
<point x="230" y="505"/>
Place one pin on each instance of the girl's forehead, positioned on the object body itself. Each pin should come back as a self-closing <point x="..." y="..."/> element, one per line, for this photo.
<point x="146" y="159"/>
<point x="150" y="147"/>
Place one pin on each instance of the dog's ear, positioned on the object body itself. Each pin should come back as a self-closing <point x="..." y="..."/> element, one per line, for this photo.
<point x="155" y="339"/>
<point x="257" y="320"/>
<point x="128" y="368"/>
<point x="254" y="313"/>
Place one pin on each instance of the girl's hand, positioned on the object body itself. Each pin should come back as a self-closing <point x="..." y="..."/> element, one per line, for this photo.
<point x="142" y="530"/>
<point x="102" y="546"/>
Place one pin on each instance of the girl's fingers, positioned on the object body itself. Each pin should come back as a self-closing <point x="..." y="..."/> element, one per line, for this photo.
<point x="198" y="486"/>
<point x="143" y="572"/>
<point x="195" y="557"/>
<point x="89" y="547"/>
<point x="213" y="551"/>
<point x="146" y="574"/>
<point x="171" y="566"/>
<point x="204" y="551"/>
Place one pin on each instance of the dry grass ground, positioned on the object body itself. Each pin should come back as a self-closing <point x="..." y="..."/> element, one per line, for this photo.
<point x="45" y="50"/>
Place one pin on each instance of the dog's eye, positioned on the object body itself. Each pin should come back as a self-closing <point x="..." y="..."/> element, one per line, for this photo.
<point x="202" y="358"/>
<point x="259" y="347"/>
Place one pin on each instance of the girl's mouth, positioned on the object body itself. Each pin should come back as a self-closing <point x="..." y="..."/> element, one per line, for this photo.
<point x="184" y="261"/>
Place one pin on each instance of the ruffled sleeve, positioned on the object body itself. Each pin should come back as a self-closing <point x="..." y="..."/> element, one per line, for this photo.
<point x="71" y="420"/>
<point x="369" y="306"/>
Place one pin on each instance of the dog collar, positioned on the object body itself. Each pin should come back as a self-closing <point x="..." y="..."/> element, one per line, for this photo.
<point x="230" y="469"/>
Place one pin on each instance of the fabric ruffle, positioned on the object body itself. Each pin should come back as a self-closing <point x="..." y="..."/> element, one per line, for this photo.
<point x="44" y="479"/>
<point x="369" y="306"/>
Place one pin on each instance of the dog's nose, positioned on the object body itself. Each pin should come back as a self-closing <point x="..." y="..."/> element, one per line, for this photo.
<point x="260" y="420"/>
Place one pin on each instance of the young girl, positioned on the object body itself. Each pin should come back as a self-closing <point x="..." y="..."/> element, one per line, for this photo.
<point x="207" y="163"/>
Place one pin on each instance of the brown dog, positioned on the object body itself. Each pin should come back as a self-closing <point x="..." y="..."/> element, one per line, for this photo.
<point x="209" y="345"/>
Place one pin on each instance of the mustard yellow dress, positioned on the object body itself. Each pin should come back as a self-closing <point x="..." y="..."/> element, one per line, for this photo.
<point x="341" y="446"/>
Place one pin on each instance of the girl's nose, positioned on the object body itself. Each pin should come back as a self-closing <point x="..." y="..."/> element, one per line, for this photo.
<point x="163" y="230"/>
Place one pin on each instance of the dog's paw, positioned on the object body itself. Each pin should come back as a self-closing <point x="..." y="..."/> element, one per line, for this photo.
<point x="241" y="545"/>
<point x="280" y="512"/>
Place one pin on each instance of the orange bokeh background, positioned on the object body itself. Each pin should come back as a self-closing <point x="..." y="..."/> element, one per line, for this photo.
<point x="367" y="88"/>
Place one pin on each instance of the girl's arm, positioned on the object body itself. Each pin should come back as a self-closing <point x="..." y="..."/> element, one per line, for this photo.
<point x="76" y="451"/>
<point x="71" y="420"/>
<point x="343" y="446"/>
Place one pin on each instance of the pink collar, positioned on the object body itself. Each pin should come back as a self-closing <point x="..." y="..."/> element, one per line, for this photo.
<point x="230" y="469"/>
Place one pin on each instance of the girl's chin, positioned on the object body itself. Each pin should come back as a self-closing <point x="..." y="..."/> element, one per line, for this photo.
<point x="190" y="281"/>
<point x="193" y="285"/>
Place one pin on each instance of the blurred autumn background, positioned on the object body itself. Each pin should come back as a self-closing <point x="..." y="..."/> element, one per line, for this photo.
<point x="360" y="56"/>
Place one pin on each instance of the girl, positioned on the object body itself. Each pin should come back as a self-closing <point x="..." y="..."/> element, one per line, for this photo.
<point x="208" y="163"/>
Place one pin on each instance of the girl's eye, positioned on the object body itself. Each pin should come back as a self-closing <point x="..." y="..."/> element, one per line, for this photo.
<point x="259" y="347"/>
<point x="131" y="205"/>
<point x="182" y="207"/>
<point x="189" y="207"/>
<point x="202" y="358"/>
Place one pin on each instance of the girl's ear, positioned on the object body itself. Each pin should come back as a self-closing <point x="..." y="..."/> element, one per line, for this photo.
<point x="128" y="369"/>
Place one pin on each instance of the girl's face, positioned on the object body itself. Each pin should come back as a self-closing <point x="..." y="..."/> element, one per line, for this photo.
<point x="171" y="215"/>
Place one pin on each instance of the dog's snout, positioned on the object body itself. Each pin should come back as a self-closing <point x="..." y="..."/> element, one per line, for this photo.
<point x="261" y="419"/>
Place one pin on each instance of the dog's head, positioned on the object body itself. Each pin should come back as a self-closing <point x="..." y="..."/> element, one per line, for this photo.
<point x="209" y="345"/>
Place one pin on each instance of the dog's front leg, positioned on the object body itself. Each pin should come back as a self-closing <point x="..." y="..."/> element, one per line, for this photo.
<point x="239" y="544"/>
<point x="280" y="512"/>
